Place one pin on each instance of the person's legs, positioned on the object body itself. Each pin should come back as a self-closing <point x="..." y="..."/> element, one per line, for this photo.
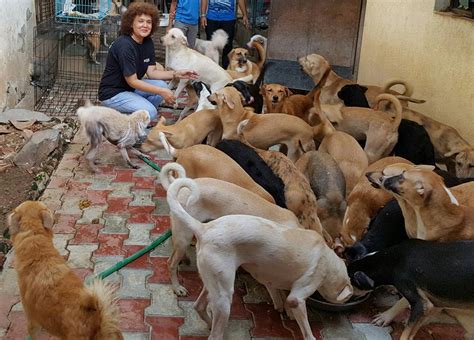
<point x="155" y="99"/>
<point x="229" y="28"/>
<point x="128" y="102"/>
<point x="190" y="31"/>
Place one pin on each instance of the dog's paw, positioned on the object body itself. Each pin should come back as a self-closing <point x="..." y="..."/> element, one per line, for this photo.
<point x="381" y="320"/>
<point x="180" y="291"/>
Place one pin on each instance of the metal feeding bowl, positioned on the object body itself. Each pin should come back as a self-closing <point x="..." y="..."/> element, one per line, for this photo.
<point x="318" y="302"/>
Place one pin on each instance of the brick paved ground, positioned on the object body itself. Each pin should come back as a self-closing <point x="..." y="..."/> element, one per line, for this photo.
<point x="127" y="211"/>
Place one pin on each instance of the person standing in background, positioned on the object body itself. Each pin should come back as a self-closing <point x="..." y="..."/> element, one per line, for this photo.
<point x="185" y="15"/>
<point x="221" y="14"/>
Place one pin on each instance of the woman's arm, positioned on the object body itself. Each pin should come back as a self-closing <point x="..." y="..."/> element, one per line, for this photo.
<point x="203" y="13"/>
<point x="153" y="73"/>
<point x="172" y="14"/>
<point x="141" y="85"/>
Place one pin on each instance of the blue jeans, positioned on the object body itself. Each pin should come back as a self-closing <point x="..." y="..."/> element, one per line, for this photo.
<point x="128" y="102"/>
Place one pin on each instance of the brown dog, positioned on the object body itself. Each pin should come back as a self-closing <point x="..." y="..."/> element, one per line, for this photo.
<point x="279" y="99"/>
<point x="431" y="210"/>
<point x="316" y="66"/>
<point x="450" y="148"/>
<point x="262" y="131"/>
<point x="364" y="202"/>
<point x="52" y="296"/>
<point x="205" y="161"/>
<point x="240" y="66"/>
<point x="190" y="131"/>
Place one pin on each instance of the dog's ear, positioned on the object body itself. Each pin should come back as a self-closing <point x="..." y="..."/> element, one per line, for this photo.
<point x="451" y="153"/>
<point x="425" y="167"/>
<point x="263" y="89"/>
<point x="363" y="281"/>
<point x="231" y="54"/>
<point x="48" y="218"/>
<point x="345" y="294"/>
<point x="363" y="88"/>
<point x="13" y="223"/>
<point x="422" y="190"/>
<point x="183" y="40"/>
<point x="287" y="91"/>
<point x="230" y="103"/>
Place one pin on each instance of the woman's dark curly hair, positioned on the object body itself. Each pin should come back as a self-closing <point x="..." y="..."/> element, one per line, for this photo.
<point x="136" y="9"/>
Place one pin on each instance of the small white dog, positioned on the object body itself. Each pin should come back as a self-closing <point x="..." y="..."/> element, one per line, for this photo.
<point x="212" y="48"/>
<point x="180" y="57"/>
<point x="122" y="130"/>
<point x="279" y="257"/>
<point x="260" y="39"/>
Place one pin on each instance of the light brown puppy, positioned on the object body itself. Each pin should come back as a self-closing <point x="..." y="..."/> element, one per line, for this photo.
<point x="205" y="161"/>
<point x="364" y="202"/>
<point x="316" y="66"/>
<point x="431" y="210"/>
<point x="240" y="66"/>
<point x="53" y="297"/>
<point x="262" y="131"/>
<point x="450" y="148"/>
<point x="217" y="198"/>
<point x="279" y="257"/>
<point x="279" y="99"/>
<point x="378" y="130"/>
<point x="190" y="131"/>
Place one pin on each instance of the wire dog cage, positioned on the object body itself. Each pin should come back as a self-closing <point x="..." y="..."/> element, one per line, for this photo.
<point x="81" y="10"/>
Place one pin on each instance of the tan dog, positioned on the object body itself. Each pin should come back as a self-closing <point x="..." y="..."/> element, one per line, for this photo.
<point x="431" y="210"/>
<point x="214" y="202"/>
<point x="205" y="161"/>
<point x="279" y="99"/>
<point x="379" y="130"/>
<point x="240" y="66"/>
<point x="316" y="66"/>
<point x="122" y="130"/>
<point x="190" y="131"/>
<point x="277" y="256"/>
<point x="262" y="131"/>
<point x="53" y="297"/>
<point x="364" y="202"/>
<point x="450" y="147"/>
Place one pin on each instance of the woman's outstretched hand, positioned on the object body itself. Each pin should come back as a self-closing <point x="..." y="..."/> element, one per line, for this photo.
<point x="187" y="74"/>
<point x="168" y="96"/>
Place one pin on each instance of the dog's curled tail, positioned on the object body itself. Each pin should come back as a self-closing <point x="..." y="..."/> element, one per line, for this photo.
<point x="406" y="95"/>
<point x="261" y="53"/>
<point x="219" y="39"/>
<point x="176" y="207"/>
<point x="106" y="304"/>
<point x="168" y="173"/>
<point x="398" y="108"/>
<point x="168" y="147"/>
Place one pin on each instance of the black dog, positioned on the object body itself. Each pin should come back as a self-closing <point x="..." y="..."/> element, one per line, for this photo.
<point x="413" y="143"/>
<point x="426" y="273"/>
<point x="256" y="167"/>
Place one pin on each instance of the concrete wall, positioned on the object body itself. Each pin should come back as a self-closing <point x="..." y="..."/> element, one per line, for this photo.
<point x="16" y="53"/>
<point x="406" y="39"/>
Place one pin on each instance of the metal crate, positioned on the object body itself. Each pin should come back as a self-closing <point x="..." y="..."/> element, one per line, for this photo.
<point x="81" y="10"/>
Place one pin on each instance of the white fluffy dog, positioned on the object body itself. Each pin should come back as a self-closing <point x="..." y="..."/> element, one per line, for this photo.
<point x="277" y="256"/>
<point x="212" y="48"/>
<point x="119" y="129"/>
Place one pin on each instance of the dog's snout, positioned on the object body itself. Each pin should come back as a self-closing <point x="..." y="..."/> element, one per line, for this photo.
<point x="210" y="98"/>
<point x="275" y="98"/>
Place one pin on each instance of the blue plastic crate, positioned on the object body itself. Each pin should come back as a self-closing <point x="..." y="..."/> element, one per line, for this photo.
<point x="81" y="10"/>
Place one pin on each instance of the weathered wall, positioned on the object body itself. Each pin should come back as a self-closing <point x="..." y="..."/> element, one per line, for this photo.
<point x="16" y="53"/>
<point x="406" y="39"/>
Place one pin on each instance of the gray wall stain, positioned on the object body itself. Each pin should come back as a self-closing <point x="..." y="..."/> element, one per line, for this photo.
<point x="28" y="14"/>
<point x="21" y="36"/>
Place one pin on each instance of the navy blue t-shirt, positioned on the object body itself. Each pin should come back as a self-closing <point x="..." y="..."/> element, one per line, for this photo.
<point x="125" y="57"/>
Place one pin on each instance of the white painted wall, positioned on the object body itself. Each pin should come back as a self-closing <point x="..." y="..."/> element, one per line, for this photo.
<point x="406" y="39"/>
<point x="17" y="18"/>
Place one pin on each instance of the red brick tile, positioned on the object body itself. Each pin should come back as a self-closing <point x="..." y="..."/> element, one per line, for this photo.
<point x="185" y="337"/>
<point x="160" y="191"/>
<point x="108" y="169"/>
<point x="132" y="313"/>
<point x="267" y="321"/>
<point x="65" y="224"/>
<point x="137" y="210"/>
<point x="140" y="218"/>
<point x="110" y="244"/>
<point x="238" y="310"/>
<point x="117" y="205"/>
<point x="82" y="272"/>
<point x="98" y="197"/>
<point x="6" y="303"/>
<point x="140" y="263"/>
<point x="86" y="233"/>
<point x="144" y="182"/>
<point x="18" y="328"/>
<point x="165" y="328"/>
<point x="192" y="282"/>
<point x="160" y="270"/>
<point x="162" y="223"/>
<point x="58" y="183"/>
<point x="293" y="327"/>
<point x="74" y="187"/>
<point x="125" y="175"/>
